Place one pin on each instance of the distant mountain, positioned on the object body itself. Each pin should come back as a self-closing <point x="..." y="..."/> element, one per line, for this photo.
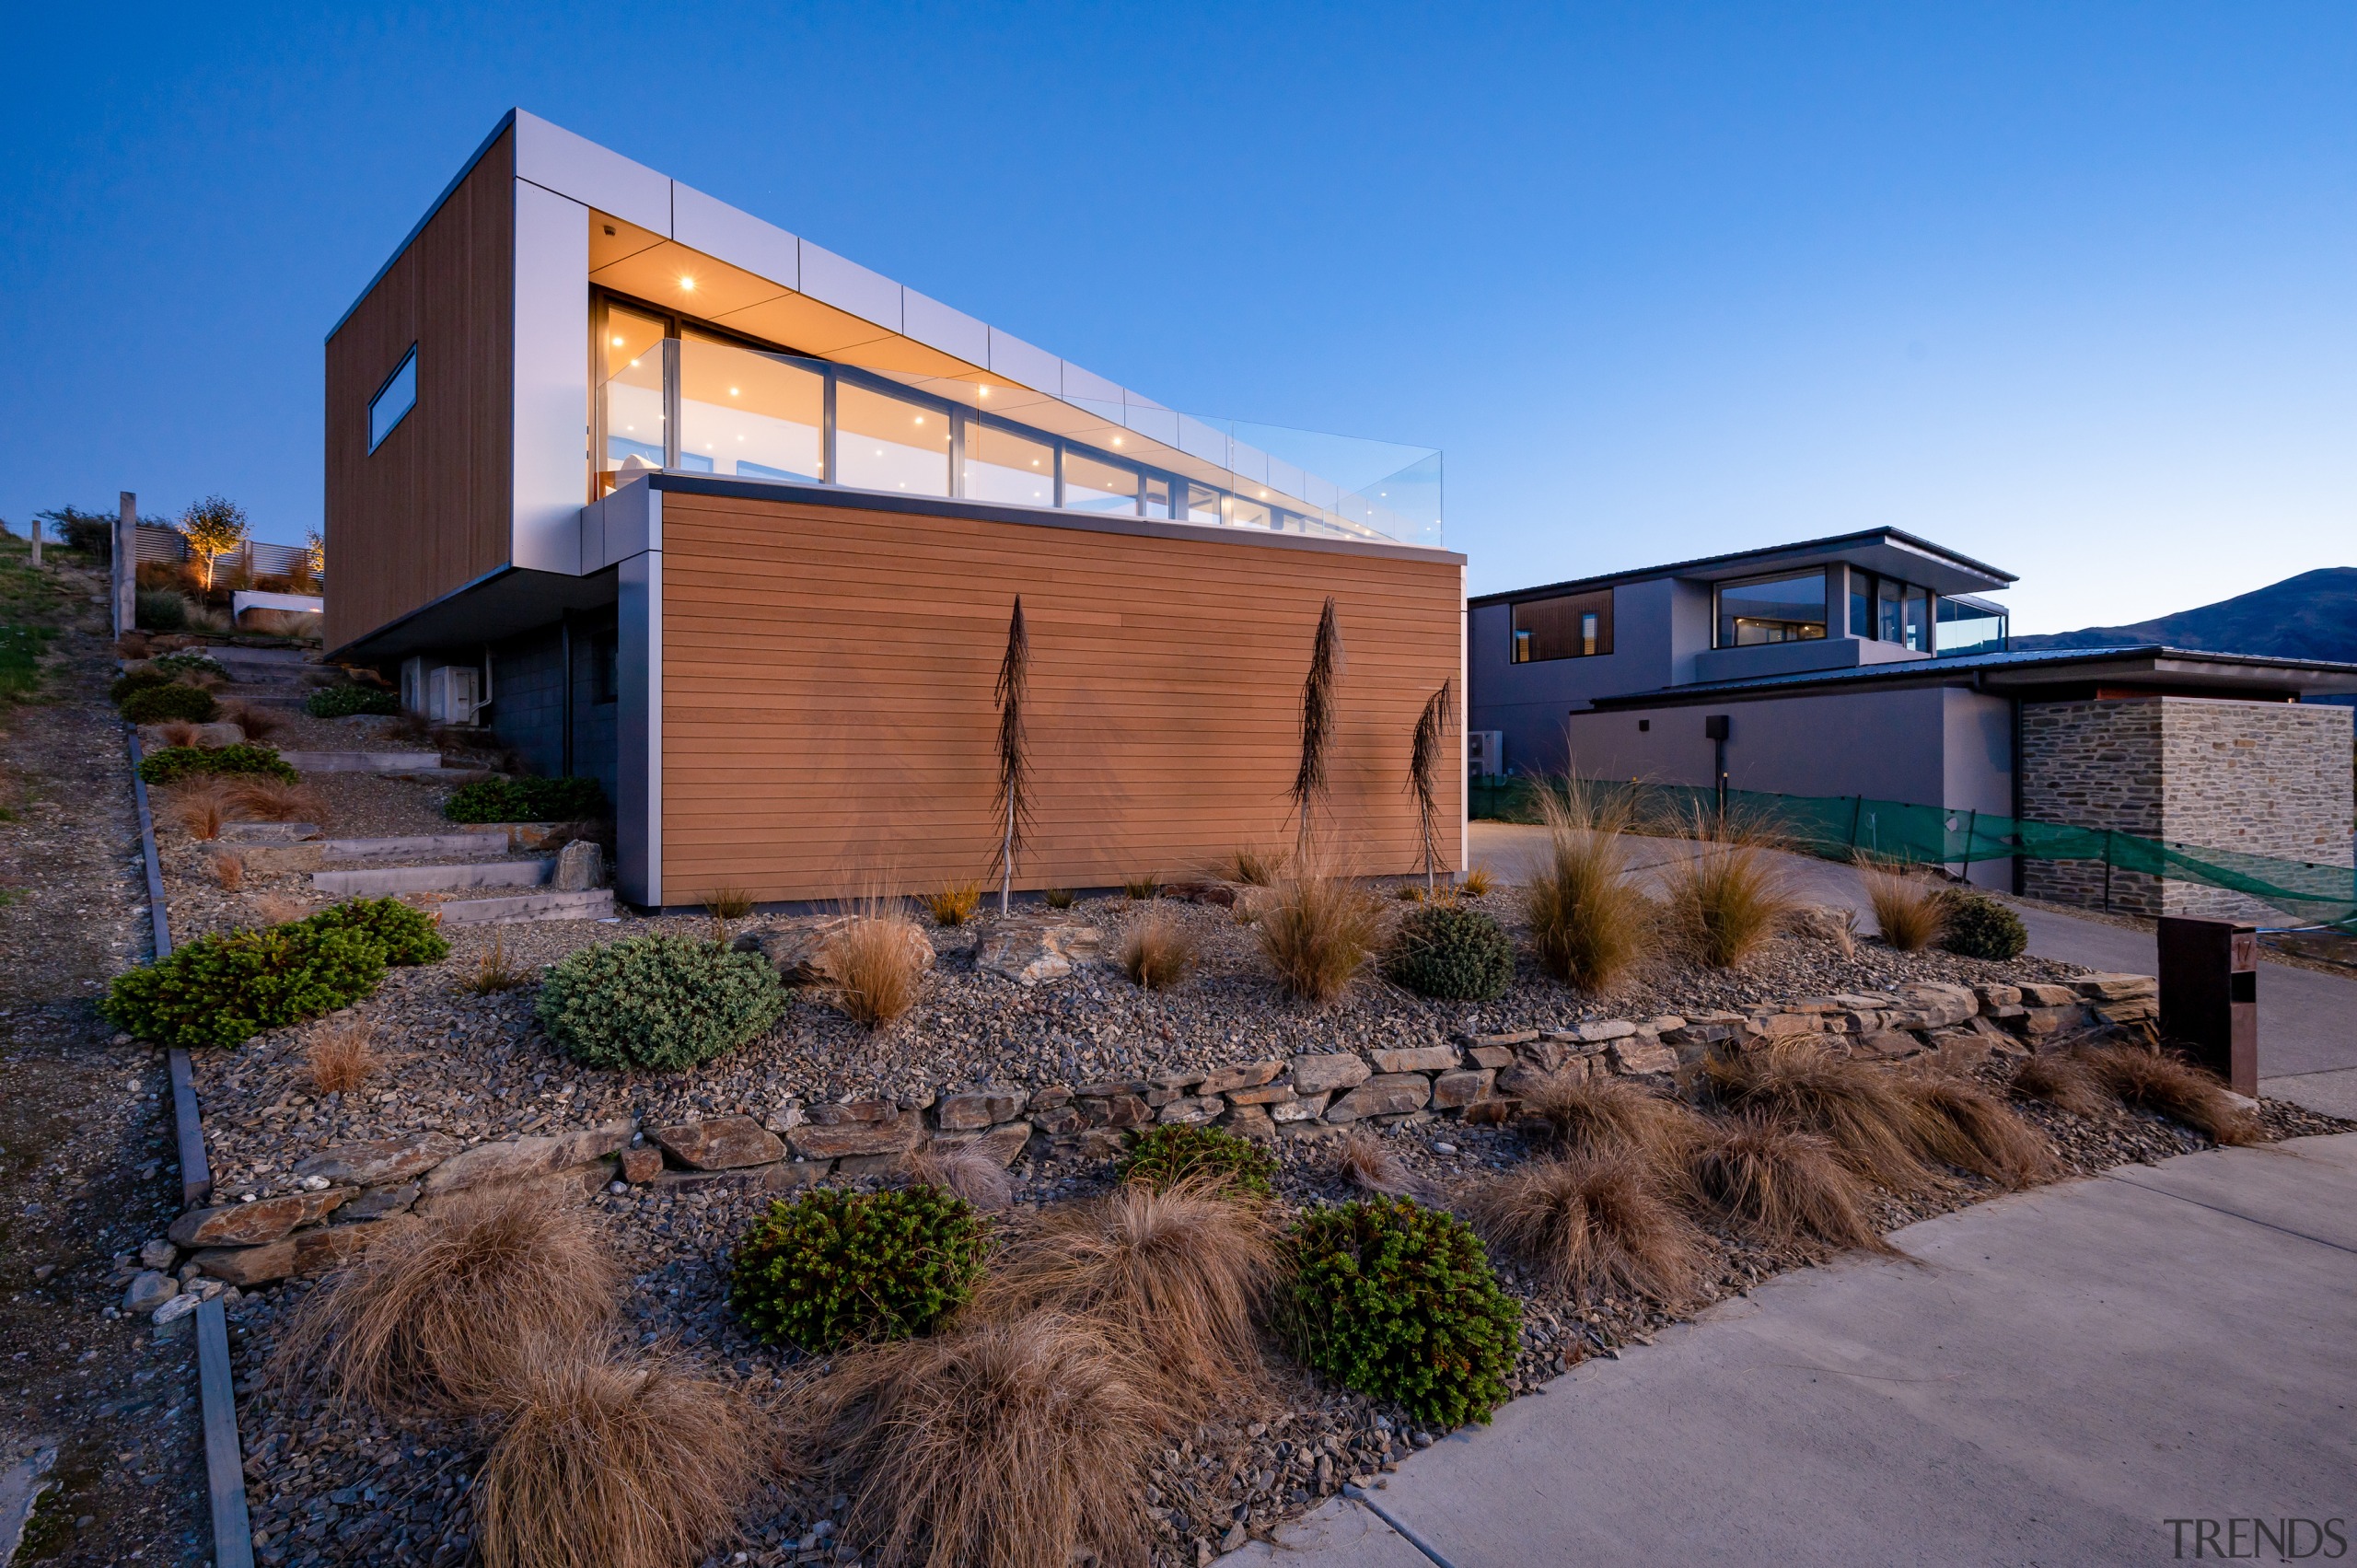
<point x="2313" y="615"/>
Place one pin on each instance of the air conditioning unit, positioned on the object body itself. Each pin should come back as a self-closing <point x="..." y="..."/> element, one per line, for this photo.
<point x="453" y="693"/>
<point x="1485" y="753"/>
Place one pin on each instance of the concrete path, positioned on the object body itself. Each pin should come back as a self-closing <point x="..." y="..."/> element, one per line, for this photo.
<point x="2053" y="1378"/>
<point x="2307" y="1020"/>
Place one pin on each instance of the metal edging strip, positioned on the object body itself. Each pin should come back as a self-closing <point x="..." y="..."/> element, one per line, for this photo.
<point x="1365" y="1497"/>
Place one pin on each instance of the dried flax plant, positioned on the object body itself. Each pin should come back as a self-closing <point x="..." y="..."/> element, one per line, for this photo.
<point x="1425" y="753"/>
<point x="1014" y="797"/>
<point x="1317" y="726"/>
<point x="342" y="1056"/>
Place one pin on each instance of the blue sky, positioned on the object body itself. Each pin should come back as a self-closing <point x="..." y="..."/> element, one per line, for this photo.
<point x="2071" y="289"/>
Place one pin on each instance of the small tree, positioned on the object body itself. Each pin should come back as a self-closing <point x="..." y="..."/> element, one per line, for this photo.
<point x="1317" y="724"/>
<point x="313" y="565"/>
<point x="1013" y="799"/>
<point x="1425" y="753"/>
<point x="214" y="527"/>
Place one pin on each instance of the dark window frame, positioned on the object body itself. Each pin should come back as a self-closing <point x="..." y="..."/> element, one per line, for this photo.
<point x="407" y="364"/>
<point x="1524" y="644"/>
<point x="1825" y="605"/>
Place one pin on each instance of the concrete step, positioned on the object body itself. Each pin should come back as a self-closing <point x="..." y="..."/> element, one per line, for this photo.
<point x="391" y="879"/>
<point x="596" y="904"/>
<point x="369" y="763"/>
<point x="415" y="846"/>
<point x="268" y="832"/>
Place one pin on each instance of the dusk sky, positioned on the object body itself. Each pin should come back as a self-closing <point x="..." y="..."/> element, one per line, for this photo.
<point x="2069" y="288"/>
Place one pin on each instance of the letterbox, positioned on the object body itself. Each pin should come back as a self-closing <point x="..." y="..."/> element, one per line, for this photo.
<point x="2210" y="995"/>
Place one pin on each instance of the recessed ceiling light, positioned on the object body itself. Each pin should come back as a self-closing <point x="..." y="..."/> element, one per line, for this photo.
<point x="618" y="343"/>
<point x="732" y="391"/>
<point x="688" y="284"/>
<point x="1117" y="440"/>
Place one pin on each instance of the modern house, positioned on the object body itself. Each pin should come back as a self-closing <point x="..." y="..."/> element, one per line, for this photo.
<point x="671" y="497"/>
<point x="1869" y="664"/>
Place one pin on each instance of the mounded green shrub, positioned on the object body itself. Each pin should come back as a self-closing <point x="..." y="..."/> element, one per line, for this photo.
<point x="1162" y="1157"/>
<point x="407" y="936"/>
<point x="665" y="1003"/>
<point x="1397" y="1301"/>
<point x="342" y="702"/>
<point x="159" y="610"/>
<point x="1455" y="954"/>
<point x="174" y="764"/>
<point x="133" y="680"/>
<point x="156" y="704"/>
<point x="188" y="663"/>
<point x="835" y="1266"/>
<point x="526" y="800"/>
<point x="1980" y="927"/>
<point x="223" y="990"/>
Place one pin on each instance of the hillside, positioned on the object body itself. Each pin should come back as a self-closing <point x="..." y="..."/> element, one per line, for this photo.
<point x="2313" y="616"/>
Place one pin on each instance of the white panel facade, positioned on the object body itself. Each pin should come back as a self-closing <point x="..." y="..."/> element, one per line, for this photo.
<point x="551" y="410"/>
<point x="845" y="285"/>
<point x="706" y="224"/>
<point x="555" y="158"/>
<point x="1025" y="366"/>
<point x="937" y="325"/>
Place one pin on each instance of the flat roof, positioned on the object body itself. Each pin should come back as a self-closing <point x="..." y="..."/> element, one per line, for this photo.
<point x="2149" y="662"/>
<point x="1899" y="550"/>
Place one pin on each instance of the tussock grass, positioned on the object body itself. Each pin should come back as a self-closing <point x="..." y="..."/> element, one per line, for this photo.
<point x="447" y="1319"/>
<point x="1139" y="889"/>
<point x="202" y="805"/>
<point x="1599" y="1115"/>
<point x="1957" y="1122"/>
<point x="341" y="1055"/>
<point x="954" y="904"/>
<point x="2143" y="1076"/>
<point x="725" y="906"/>
<point x="1157" y="952"/>
<point x="1319" y="932"/>
<point x="228" y="871"/>
<point x="874" y="964"/>
<point x="1590" y="925"/>
<point x="177" y="732"/>
<point x="1863" y="1109"/>
<point x="1727" y="899"/>
<point x="259" y="723"/>
<point x="1911" y="910"/>
<point x="1057" y="898"/>
<point x="1255" y="866"/>
<point x="1180" y="1271"/>
<point x="494" y="971"/>
<point x="1781" y="1185"/>
<point x="2062" y="1078"/>
<point x="1595" y="1224"/>
<point x="999" y="1444"/>
<point x="259" y="799"/>
<point x="1361" y="1158"/>
<point x="277" y="909"/>
<point x="965" y="1173"/>
<point x="623" y="1464"/>
<point x="1478" y="883"/>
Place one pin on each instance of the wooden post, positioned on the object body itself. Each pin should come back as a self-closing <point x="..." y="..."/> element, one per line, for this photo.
<point x="126" y="565"/>
<point x="36" y="536"/>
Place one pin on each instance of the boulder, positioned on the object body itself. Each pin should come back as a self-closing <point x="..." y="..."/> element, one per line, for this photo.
<point x="979" y="1108"/>
<point x="1035" y="953"/>
<point x="518" y="1159"/>
<point x="378" y="1160"/>
<point x="1004" y="1143"/>
<point x="1642" y="1054"/>
<point x="641" y="1164"/>
<point x="1892" y="1043"/>
<point x="1825" y="922"/>
<point x="316" y="1251"/>
<point x="1492" y="1056"/>
<point x="794" y="949"/>
<point x="818" y="1140"/>
<point x="1420" y="1059"/>
<point x="149" y="1290"/>
<point x="1454" y="1091"/>
<point x="2044" y="995"/>
<point x="1298" y="1110"/>
<point x="256" y="1223"/>
<point x="1267" y="1094"/>
<point x="1597" y="1031"/>
<point x="378" y="1201"/>
<point x="246" y="1266"/>
<point x="1250" y="1122"/>
<point x="1249" y="1076"/>
<point x="1387" y="1094"/>
<point x="580" y="865"/>
<point x="2117" y="987"/>
<point x="720" y="1143"/>
<point x="1116" y="1112"/>
<point x="157" y="1253"/>
<point x="1319" y="1074"/>
<point x="1190" y="1112"/>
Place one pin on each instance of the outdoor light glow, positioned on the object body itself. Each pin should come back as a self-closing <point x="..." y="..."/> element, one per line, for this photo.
<point x="688" y="284"/>
<point x="732" y="391"/>
<point x="618" y="343"/>
<point x="1117" y="440"/>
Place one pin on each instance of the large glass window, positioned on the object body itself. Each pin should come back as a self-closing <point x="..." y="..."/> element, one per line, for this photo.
<point x="1248" y="514"/>
<point x="1969" y="626"/>
<point x="887" y="443"/>
<point x="393" y="400"/>
<point x="1094" y="486"/>
<point x="1918" y="624"/>
<point x="1202" y="505"/>
<point x="1004" y="467"/>
<point x="1567" y="626"/>
<point x="633" y="357"/>
<point x="1157" y="496"/>
<point x="749" y="413"/>
<point x="1862" y="603"/>
<point x="1772" y="609"/>
<point x="1887" y="620"/>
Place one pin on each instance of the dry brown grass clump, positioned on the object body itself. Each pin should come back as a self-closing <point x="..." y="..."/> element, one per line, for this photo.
<point x="494" y="970"/>
<point x="1361" y="1158"/>
<point x="1957" y="1122"/>
<point x="998" y="1445"/>
<point x="1864" y="1109"/>
<point x="966" y="1173"/>
<point x="1590" y="925"/>
<point x="1478" y="883"/>
<point x="177" y="732"/>
<point x="1598" y="1115"/>
<point x="1911" y="910"/>
<point x="259" y="724"/>
<point x="1157" y="952"/>
<point x="260" y="799"/>
<point x="626" y="1465"/>
<point x="1139" y="889"/>
<point x="341" y="1055"/>
<point x="1256" y="866"/>
<point x="1781" y="1185"/>
<point x="2062" y="1078"/>
<point x="2145" y="1076"/>
<point x="1595" y="1224"/>
<point x="228" y="871"/>
<point x="954" y="904"/>
<point x="202" y="805"/>
<point x="1318" y="931"/>
<point x="1727" y="898"/>
<point x="874" y="964"/>
<point x="277" y="909"/>
<point x="447" y="1319"/>
<point x="1179" y="1270"/>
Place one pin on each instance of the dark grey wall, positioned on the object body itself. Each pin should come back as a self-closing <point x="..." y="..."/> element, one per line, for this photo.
<point x="527" y="709"/>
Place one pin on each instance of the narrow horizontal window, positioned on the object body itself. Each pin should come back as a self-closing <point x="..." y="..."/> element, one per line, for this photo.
<point x="393" y="400"/>
<point x="1771" y="609"/>
<point x="1567" y="626"/>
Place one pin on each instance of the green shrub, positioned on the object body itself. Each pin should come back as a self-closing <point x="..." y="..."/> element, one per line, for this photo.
<point x="407" y="936"/>
<point x="1448" y="951"/>
<point x="1163" y="1156"/>
<point x="174" y="764"/>
<point x="526" y="800"/>
<point x="342" y="702"/>
<point x="21" y="648"/>
<point x="160" y="610"/>
<point x="186" y="662"/>
<point x="155" y="704"/>
<point x="661" y="1002"/>
<point x="1397" y="1301"/>
<point x="223" y="990"/>
<point x="135" y="680"/>
<point x="835" y="1266"/>
<point x="1982" y="928"/>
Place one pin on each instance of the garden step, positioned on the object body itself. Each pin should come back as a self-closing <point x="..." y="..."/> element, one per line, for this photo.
<point x="415" y="846"/>
<point x="596" y="904"/>
<point x="391" y="879"/>
<point x="269" y="833"/>
<point x="369" y="762"/>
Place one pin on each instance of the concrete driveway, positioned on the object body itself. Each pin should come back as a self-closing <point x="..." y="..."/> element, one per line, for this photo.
<point x="2307" y="1020"/>
<point x="2050" y="1378"/>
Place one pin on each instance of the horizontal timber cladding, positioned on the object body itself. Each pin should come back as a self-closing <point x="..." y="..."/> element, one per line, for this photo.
<point x="431" y="509"/>
<point x="829" y="727"/>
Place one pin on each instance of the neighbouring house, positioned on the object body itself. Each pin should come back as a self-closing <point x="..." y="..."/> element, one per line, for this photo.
<point x="669" y="497"/>
<point x="1869" y="664"/>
